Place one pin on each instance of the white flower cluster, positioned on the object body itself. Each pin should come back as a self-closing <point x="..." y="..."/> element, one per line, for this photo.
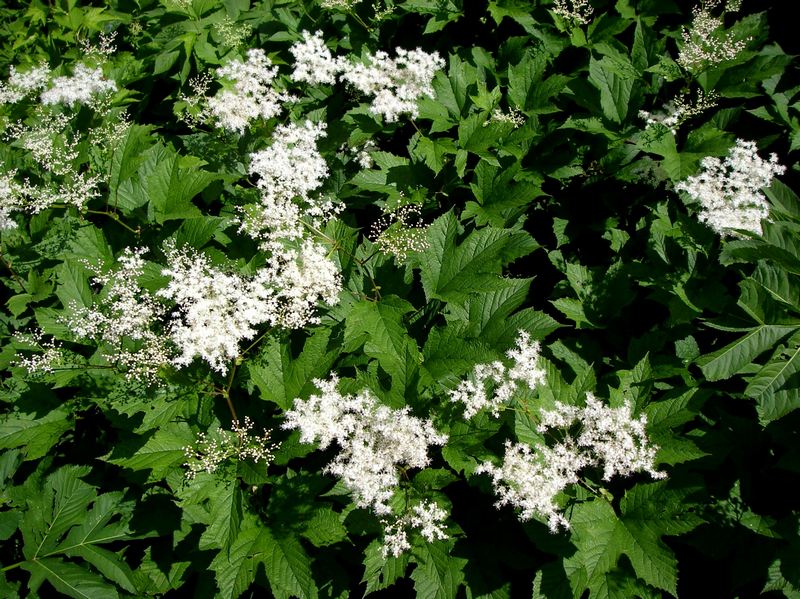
<point x="124" y="320"/>
<point x="210" y="451"/>
<point x="705" y="42"/>
<point x="313" y="62"/>
<point x="248" y="94"/>
<point x="531" y="478"/>
<point x="574" y="12"/>
<point x="473" y="392"/>
<point x="81" y="88"/>
<point x="400" y="232"/>
<point x="50" y="356"/>
<point x="678" y="111"/>
<point x="396" y="84"/>
<point x="289" y="170"/>
<point x="217" y="310"/>
<point x="513" y="117"/>
<point x="210" y="310"/>
<point x="729" y="190"/>
<point x="11" y="200"/>
<point x="22" y="84"/>
<point x="426" y="517"/>
<point x="609" y="436"/>
<point x="373" y="439"/>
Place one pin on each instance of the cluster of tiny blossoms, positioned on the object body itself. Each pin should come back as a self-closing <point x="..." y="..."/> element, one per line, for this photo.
<point x="396" y="84"/>
<point x="123" y="319"/>
<point x="216" y="310"/>
<point x="574" y="12"/>
<point x="211" y="450"/>
<point x="22" y="84"/>
<point x="49" y="356"/>
<point x="374" y="440"/>
<point x="247" y="93"/>
<point x="288" y="171"/>
<point x="426" y="517"/>
<point x="531" y="478"/>
<point x="678" y="111"/>
<point x="729" y="190"/>
<point x="203" y="311"/>
<point x="705" y="42"/>
<point x="50" y="140"/>
<point x="473" y="392"/>
<point x="400" y="232"/>
<point x="82" y="87"/>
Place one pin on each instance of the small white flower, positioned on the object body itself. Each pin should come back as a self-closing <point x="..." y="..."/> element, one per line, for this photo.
<point x="705" y="42"/>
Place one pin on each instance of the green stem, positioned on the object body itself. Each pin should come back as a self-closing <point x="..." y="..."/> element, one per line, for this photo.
<point x="115" y="217"/>
<point x="13" y="272"/>
<point x="12" y="566"/>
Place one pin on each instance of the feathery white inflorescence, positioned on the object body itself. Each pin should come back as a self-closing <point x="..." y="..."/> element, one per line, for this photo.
<point x="313" y="61"/>
<point x="705" y="42"/>
<point x="525" y="369"/>
<point x="248" y="95"/>
<point x="125" y="312"/>
<point x="217" y="309"/>
<point x="289" y="170"/>
<point x="373" y="439"/>
<point x="674" y="113"/>
<point x="531" y="478"/>
<point x="11" y="200"/>
<point x="426" y="517"/>
<point x="396" y="84"/>
<point x="211" y="450"/>
<point x="22" y="84"/>
<point x="81" y="88"/>
<point x="210" y="310"/>
<point x="574" y="12"/>
<point x="729" y="190"/>
<point x="611" y="437"/>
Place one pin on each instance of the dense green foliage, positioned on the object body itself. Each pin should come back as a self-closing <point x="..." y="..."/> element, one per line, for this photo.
<point x="548" y="206"/>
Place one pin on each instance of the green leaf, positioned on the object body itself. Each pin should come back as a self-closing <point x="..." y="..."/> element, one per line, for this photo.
<point x="69" y="579"/>
<point x="171" y="186"/>
<point x="325" y="528"/>
<point x="379" y="327"/>
<point x="281" y="379"/>
<point x="285" y="563"/>
<point x="727" y="361"/>
<point x="491" y="316"/>
<point x="225" y="509"/>
<point x="524" y="77"/>
<point x="615" y="80"/>
<point x="379" y="572"/>
<point x="161" y="452"/>
<point x="601" y="537"/>
<point x="451" y="271"/>
<point x="36" y="436"/>
<point x="128" y="156"/>
<point x="438" y="575"/>
<point x="776" y="387"/>
<point x="53" y="510"/>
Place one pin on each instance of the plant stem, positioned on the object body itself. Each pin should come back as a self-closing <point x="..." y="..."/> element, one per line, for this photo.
<point x="13" y="272"/>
